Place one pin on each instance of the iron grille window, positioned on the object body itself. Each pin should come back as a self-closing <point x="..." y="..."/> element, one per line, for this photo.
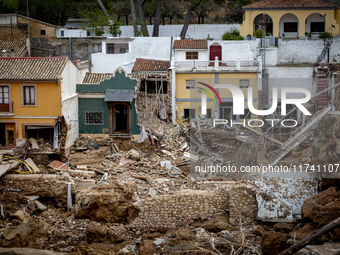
<point x="93" y="118"/>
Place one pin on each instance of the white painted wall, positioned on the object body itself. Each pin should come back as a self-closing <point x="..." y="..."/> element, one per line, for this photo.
<point x="231" y="50"/>
<point x="140" y="47"/>
<point x="198" y="31"/>
<point x="153" y="48"/>
<point x="71" y="76"/>
<point x="69" y="109"/>
<point x="180" y="55"/>
<point x="282" y="76"/>
<point x="306" y="51"/>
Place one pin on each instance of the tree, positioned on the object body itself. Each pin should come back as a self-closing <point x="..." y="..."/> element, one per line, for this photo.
<point x="191" y="8"/>
<point x="234" y="10"/>
<point x="150" y="10"/>
<point x="171" y="10"/>
<point x="95" y="21"/>
<point x="55" y="12"/>
<point x="134" y="20"/>
<point x="140" y="4"/>
<point x="204" y="9"/>
<point x="114" y="28"/>
<point x="98" y="23"/>
<point x="122" y="9"/>
<point x="8" y="6"/>
<point x="155" y="32"/>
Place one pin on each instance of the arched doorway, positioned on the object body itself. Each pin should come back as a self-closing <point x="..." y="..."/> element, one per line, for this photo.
<point x="258" y="23"/>
<point x="289" y="26"/>
<point x="215" y="51"/>
<point x="315" y="23"/>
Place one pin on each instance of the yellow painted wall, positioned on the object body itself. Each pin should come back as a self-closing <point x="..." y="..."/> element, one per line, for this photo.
<point x="209" y="78"/>
<point x="48" y="104"/>
<point x="332" y="18"/>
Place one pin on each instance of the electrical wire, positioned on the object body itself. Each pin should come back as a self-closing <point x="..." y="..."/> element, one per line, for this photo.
<point x="22" y="162"/>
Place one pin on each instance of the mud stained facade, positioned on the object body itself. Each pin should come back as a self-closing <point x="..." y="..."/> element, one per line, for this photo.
<point x="109" y="106"/>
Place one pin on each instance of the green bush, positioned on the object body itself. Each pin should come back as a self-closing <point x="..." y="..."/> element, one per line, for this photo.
<point x="324" y="35"/>
<point x="232" y="35"/>
<point x="258" y="33"/>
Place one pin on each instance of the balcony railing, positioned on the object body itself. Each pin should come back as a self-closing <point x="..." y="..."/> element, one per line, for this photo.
<point x="216" y="65"/>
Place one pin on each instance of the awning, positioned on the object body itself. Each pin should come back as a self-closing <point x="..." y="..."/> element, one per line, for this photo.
<point x="119" y="95"/>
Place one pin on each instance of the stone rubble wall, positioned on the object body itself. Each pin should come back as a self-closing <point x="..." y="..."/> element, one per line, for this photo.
<point x="185" y="207"/>
<point x="243" y="205"/>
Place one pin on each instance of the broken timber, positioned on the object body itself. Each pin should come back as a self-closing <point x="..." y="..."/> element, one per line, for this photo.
<point x="264" y="135"/>
<point x="305" y="241"/>
<point x="300" y="137"/>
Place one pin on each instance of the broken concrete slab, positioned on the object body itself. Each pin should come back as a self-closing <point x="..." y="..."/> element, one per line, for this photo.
<point x="32" y="164"/>
<point x="6" y="167"/>
<point x="40" y="206"/>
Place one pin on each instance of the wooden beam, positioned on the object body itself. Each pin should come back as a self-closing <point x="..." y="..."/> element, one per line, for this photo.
<point x="308" y="239"/>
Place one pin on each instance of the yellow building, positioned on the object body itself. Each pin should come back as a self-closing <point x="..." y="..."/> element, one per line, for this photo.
<point x="198" y="70"/>
<point x="291" y="19"/>
<point x="38" y="99"/>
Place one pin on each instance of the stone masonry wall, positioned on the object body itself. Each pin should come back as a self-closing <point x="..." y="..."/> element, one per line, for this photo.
<point x="181" y="209"/>
<point x="242" y="205"/>
<point x="42" y="47"/>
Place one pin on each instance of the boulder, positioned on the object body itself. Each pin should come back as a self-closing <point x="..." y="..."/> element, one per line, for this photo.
<point x="216" y="224"/>
<point x="33" y="234"/>
<point x="24" y="217"/>
<point x="299" y="234"/>
<point x="96" y="205"/>
<point x="283" y="227"/>
<point x="259" y="230"/>
<point x="323" y="207"/>
<point x="273" y="242"/>
<point x="97" y="234"/>
<point x="147" y="248"/>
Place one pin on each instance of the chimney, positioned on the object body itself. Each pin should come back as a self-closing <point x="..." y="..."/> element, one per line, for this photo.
<point x="12" y="53"/>
<point x="4" y="53"/>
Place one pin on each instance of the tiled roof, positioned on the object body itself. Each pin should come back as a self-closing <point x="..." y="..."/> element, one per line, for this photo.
<point x="32" y="69"/>
<point x="19" y="48"/>
<point x="149" y="65"/>
<point x="290" y="4"/>
<point x="191" y="44"/>
<point x="95" y="78"/>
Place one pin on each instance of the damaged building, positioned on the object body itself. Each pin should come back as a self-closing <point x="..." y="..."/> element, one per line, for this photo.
<point x="107" y="104"/>
<point x="38" y="100"/>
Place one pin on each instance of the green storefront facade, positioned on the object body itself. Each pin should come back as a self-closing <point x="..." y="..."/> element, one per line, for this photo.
<point x="108" y="107"/>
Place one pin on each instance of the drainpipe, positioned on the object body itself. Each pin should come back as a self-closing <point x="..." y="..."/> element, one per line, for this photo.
<point x="90" y="58"/>
<point x="173" y="90"/>
<point x="70" y="48"/>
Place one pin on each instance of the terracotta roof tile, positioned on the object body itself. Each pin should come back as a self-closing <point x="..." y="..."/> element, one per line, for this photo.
<point x="149" y="65"/>
<point x="19" y="48"/>
<point x="96" y="78"/>
<point x="32" y="69"/>
<point x="191" y="44"/>
<point x="290" y="4"/>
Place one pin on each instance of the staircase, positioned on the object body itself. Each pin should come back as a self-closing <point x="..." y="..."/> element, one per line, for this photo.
<point x="322" y="84"/>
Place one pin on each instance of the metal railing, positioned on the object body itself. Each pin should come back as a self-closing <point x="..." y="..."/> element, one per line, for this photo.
<point x="213" y="65"/>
